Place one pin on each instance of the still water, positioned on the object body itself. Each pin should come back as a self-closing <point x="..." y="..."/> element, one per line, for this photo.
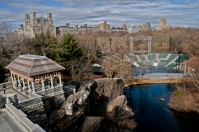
<point x="153" y="115"/>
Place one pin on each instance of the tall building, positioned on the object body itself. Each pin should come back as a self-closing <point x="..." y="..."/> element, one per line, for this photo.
<point x="162" y="24"/>
<point x="34" y="25"/>
<point x="104" y="27"/>
<point x="137" y="28"/>
<point x="74" y="30"/>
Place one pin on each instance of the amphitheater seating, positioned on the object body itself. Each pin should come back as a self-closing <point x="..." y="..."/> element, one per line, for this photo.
<point x="171" y="65"/>
<point x="151" y="57"/>
<point x="163" y="55"/>
<point x="148" y="63"/>
<point x="142" y="57"/>
<point x="182" y="58"/>
<point x="163" y="63"/>
<point x="172" y="57"/>
<point x="132" y="57"/>
<point x="163" y="59"/>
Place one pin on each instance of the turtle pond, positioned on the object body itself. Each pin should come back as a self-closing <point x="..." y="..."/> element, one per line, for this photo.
<point x="149" y="103"/>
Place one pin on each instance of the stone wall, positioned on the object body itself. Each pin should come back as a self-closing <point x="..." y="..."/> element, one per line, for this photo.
<point x="21" y="120"/>
<point x="2" y="101"/>
<point x="34" y="109"/>
<point x="53" y="102"/>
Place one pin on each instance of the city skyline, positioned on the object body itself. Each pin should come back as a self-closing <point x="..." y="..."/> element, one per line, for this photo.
<point x="115" y="12"/>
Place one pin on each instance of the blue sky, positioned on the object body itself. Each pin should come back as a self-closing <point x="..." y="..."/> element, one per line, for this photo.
<point x="183" y="13"/>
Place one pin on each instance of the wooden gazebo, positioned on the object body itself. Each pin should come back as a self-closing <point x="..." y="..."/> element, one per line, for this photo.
<point x="35" y="74"/>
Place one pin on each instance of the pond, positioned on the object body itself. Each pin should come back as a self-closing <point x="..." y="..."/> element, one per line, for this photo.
<point x="152" y="114"/>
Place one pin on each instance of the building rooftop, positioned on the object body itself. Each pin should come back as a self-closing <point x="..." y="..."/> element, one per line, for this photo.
<point x="33" y="65"/>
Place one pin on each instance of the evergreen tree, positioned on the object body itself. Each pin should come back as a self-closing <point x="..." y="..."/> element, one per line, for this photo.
<point x="68" y="52"/>
<point x="45" y="43"/>
<point x="2" y="74"/>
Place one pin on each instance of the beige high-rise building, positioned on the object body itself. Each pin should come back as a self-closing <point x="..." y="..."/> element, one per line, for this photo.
<point x="34" y="25"/>
<point x="162" y="24"/>
<point x="104" y="27"/>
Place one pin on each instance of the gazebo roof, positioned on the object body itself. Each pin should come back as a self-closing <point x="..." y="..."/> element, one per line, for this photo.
<point x="33" y="65"/>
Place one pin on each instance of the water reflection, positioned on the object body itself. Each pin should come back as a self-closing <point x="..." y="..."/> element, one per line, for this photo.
<point x="154" y="115"/>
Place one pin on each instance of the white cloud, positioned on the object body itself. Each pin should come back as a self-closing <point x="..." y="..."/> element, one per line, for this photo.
<point x="116" y="12"/>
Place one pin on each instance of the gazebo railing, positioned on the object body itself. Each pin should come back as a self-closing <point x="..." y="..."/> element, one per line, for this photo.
<point x="51" y="91"/>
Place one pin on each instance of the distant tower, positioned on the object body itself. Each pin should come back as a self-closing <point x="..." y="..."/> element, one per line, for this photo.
<point x="34" y="19"/>
<point x="162" y="22"/>
<point x="27" y="19"/>
<point x="124" y="26"/>
<point x="50" y="20"/>
<point x="165" y="22"/>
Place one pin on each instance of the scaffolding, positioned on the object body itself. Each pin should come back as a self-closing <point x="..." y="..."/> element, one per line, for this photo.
<point x="142" y="38"/>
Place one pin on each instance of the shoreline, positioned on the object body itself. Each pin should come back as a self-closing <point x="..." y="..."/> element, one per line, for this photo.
<point x="181" y="105"/>
<point x="184" y="104"/>
<point x="128" y="82"/>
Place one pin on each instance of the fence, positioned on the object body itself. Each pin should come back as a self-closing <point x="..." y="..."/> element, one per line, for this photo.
<point x="8" y="85"/>
<point x="51" y="91"/>
<point x="21" y="120"/>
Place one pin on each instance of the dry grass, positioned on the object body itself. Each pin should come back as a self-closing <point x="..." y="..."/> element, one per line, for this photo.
<point x="128" y="82"/>
<point x="188" y="102"/>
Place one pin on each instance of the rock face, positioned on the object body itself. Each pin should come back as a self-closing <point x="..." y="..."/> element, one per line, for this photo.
<point x="91" y="124"/>
<point x="97" y="106"/>
<point x="107" y="100"/>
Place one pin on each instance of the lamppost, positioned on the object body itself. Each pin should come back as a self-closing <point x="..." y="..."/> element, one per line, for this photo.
<point x="179" y="64"/>
<point x="95" y="47"/>
<point x="186" y="65"/>
<point x="179" y="54"/>
<point x="110" y="40"/>
<point x="122" y="57"/>
<point x="170" y="42"/>
<point x="141" y="71"/>
<point x="95" y="43"/>
<point x="130" y="69"/>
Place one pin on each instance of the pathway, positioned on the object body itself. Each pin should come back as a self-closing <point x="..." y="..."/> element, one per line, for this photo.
<point x="20" y="96"/>
<point x="6" y="124"/>
<point x="160" y="75"/>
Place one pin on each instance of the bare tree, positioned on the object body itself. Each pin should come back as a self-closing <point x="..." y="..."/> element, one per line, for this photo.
<point x="12" y="43"/>
<point x="117" y="68"/>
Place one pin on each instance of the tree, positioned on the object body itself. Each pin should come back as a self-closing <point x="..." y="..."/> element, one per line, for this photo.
<point x="68" y="52"/>
<point x="5" y="28"/>
<point x="117" y="68"/>
<point x="45" y="44"/>
<point x="2" y="74"/>
<point x="8" y="42"/>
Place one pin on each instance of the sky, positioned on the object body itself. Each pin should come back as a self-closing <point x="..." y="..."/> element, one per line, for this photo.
<point x="178" y="13"/>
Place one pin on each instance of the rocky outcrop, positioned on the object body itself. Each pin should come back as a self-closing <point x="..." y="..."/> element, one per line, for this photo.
<point x="119" y="113"/>
<point x="91" y="124"/>
<point x="107" y="100"/>
<point x="97" y="106"/>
